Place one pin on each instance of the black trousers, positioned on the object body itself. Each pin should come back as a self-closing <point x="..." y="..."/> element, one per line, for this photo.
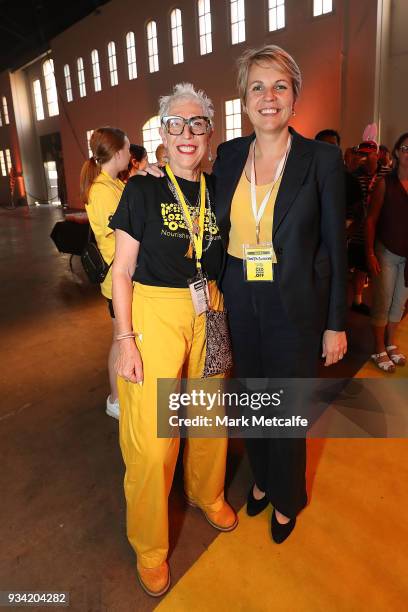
<point x="266" y="345"/>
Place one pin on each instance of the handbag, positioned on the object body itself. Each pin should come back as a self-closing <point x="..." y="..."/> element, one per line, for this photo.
<point x="218" y="356"/>
<point x="218" y="353"/>
<point x="93" y="263"/>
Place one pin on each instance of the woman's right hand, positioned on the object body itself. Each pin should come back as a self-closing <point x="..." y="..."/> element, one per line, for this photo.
<point x="153" y="169"/>
<point x="374" y="265"/>
<point x="129" y="362"/>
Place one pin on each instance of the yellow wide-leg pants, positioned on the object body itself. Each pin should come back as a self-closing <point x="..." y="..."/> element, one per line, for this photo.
<point x="171" y="341"/>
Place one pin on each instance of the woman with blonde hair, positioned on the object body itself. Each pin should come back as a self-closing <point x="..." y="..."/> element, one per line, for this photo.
<point x="101" y="191"/>
<point x="280" y="201"/>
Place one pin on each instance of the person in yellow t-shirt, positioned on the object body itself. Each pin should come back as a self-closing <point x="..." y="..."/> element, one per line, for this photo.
<point x="101" y="191"/>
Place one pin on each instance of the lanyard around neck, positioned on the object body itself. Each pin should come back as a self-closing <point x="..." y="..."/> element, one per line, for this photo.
<point x="196" y="231"/>
<point x="258" y="214"/>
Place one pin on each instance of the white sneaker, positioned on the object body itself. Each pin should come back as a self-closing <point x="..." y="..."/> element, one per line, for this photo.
<point x="112" y="408"/>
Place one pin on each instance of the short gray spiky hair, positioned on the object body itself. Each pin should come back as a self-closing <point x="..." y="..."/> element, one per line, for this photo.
<point x="186" y="91"/>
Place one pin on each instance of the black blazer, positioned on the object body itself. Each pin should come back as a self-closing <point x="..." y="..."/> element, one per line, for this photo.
<point x="308" y="227"/>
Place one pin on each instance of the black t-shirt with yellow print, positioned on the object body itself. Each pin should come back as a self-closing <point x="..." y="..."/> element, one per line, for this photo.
<point x="149" y="212"/>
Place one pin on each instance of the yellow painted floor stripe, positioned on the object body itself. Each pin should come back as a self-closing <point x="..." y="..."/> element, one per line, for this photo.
<point x="348" y="551"/>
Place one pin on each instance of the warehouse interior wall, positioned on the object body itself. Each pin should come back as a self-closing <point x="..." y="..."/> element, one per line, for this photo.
<point x="352" y="61"/>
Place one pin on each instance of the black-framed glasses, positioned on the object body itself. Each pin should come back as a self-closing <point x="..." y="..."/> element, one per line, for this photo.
<point x="198" y="125"/>
<point x="404" y="148"/>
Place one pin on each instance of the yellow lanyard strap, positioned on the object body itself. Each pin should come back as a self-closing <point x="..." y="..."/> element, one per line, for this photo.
<point x="196" y="237"/>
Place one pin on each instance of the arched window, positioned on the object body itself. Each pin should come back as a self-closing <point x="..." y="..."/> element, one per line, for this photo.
<point x="177" y="36"/>
<point x="131" y="55"/>
<point x="204" y="26"/>
<point x="50" y="87"/>
<point x="152" y="48"/>
<point x="113" y="69"/>
<point x="68" y="84"/>
<point x="151" y="137"/>
<point x="237" y="8"/>
<point x="81" y="77"/>
<point x="96" y="71"/>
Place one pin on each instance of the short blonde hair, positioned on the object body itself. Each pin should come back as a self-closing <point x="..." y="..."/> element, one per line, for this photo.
<point x="270" y="54"/>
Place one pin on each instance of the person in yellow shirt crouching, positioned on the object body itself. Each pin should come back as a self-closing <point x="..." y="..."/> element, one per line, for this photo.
<point x="101" y="191"/>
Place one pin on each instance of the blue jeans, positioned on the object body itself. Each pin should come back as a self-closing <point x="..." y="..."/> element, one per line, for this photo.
<point x="389" y="291"/>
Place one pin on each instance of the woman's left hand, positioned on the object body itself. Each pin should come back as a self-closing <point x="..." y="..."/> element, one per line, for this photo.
<point x="334" y="346"/>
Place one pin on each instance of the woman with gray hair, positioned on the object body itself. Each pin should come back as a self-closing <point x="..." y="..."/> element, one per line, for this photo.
<point x="280" y="208"/>
<point x="166" y="233"/>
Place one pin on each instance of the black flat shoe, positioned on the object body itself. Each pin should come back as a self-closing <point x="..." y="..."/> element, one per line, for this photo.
<point x="279" y="531"/>
<point x="255" y="506"/>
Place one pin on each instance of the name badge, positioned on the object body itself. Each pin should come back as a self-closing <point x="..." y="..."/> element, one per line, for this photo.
<point x="199" y="293"/>
<point x="258" y="262"/>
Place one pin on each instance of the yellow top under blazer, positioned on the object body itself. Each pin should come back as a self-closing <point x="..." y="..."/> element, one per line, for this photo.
<point x="243" y="229"/>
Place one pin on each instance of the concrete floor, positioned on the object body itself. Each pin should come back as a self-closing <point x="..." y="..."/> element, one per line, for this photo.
<point x="62" y="512"/>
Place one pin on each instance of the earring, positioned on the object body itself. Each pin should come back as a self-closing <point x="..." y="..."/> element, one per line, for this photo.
<point x="293" y="112"/>
<point x="210" y="157"/>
